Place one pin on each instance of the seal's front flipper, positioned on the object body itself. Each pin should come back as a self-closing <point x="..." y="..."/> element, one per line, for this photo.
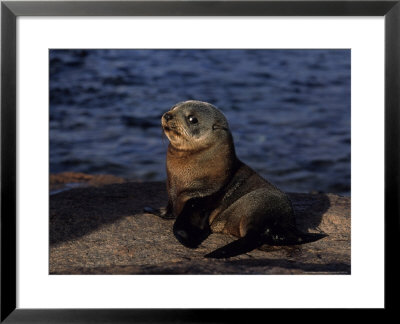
<point x="243" y="245"/>
<point x="192" y="225"/>
<point x="164" y="213"/>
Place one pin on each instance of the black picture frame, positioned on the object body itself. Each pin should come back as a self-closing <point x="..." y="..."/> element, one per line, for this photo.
<point x="10" y="10"/>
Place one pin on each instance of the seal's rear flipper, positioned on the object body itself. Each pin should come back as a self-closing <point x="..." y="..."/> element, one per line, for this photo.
<point x="291" y="236"/>
<point x="252" y="241"/>
<point x="243" y="245"/>
<point x="311" y="237"/>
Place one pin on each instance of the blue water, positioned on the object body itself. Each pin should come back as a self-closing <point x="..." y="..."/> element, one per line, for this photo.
<point x="289" y="110"/>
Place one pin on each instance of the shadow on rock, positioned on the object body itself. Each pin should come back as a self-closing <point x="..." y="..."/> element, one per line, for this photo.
<point x="243" y="266"/>
<point x="80" y="211"/>
<point x="309" y="209"/>
<point x="334" y="267"/>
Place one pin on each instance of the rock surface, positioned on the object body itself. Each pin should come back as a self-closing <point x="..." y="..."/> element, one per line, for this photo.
<point x="103" y="230"/>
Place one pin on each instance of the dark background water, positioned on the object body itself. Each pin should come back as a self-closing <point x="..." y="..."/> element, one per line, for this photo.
<point x="289" y="110"/>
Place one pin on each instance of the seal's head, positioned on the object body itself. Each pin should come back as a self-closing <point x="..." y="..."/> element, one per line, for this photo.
<point x="193" y="125"/>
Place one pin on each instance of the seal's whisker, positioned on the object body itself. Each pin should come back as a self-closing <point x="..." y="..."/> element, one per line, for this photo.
<point x="163" y="136"/>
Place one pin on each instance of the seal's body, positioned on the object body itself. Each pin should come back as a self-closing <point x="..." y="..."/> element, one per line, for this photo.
<point x="210" y="189"/>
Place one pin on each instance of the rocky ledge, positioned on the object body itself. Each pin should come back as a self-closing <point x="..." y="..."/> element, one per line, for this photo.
<point x="103" y="230"/>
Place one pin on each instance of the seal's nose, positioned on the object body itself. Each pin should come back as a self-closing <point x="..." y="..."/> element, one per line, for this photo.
<point x="167" y="116"/>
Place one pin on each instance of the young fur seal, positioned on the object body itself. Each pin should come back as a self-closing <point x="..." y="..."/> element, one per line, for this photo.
<point x="211" y="190"/>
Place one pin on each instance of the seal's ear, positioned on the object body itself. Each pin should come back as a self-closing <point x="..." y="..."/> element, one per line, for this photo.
<point x="216" y="126"/>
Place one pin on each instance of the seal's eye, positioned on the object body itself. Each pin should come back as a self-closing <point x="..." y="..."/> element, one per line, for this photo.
<point x="193" y="119"/>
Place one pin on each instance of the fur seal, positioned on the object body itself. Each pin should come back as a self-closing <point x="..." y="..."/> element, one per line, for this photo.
<point x="211" y="190"/>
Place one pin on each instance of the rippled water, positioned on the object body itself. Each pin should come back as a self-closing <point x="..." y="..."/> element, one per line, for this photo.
<point x="289" y="110"/>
